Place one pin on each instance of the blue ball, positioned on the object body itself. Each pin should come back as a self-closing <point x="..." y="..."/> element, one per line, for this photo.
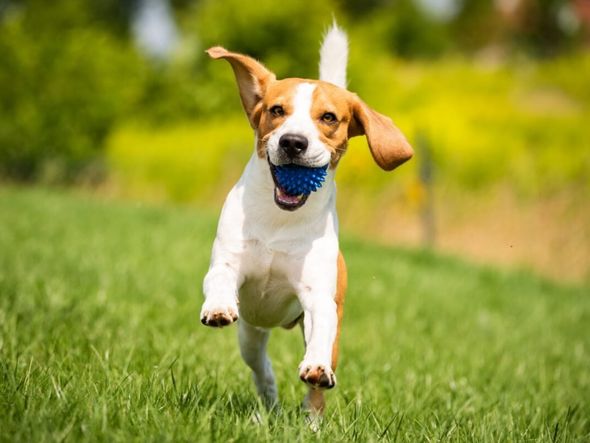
<point x="297" y="180"/>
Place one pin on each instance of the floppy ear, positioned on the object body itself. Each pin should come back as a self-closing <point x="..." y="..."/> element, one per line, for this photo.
<point x="252" y="78"/>
<point x="388" y="145"/>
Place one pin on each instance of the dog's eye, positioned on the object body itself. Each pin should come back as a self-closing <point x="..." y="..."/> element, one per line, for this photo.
<point x="329" y="117"/>
<point x="277" y="111"/>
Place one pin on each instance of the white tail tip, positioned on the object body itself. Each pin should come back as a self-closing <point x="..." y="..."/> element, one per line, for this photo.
<point x="334" y="56"/>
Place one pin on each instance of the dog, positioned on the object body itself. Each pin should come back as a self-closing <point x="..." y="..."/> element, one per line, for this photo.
<point x="276" y="258"/>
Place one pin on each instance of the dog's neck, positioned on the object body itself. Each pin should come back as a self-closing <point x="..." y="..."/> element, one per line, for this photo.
<point x="257" y="188"/>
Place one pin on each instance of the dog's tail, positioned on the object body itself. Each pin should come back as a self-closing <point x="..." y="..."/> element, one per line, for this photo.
<point x="334" y="56"/>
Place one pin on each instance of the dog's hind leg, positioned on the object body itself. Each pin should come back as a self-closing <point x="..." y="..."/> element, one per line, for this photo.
<point x="253" y="349"/>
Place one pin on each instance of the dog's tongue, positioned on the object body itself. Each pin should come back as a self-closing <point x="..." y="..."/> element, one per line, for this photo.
<point x="285" y="198"/>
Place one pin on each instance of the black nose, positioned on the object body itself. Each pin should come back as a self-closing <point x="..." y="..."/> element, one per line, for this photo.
<point x="293" y="144"/>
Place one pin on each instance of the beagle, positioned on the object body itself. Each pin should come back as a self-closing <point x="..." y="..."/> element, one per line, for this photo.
<point x="276" y="259"/>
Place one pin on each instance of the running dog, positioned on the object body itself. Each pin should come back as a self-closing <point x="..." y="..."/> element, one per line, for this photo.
<point x="276" y="259"/>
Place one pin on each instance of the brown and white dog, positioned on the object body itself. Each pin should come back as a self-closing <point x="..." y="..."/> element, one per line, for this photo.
<point x="276" y="259"/>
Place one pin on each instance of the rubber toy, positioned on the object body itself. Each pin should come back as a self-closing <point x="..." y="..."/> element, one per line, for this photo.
<point x="297" y="180"/>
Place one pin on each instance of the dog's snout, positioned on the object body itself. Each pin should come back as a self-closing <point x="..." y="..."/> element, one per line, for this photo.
<point x="293" y="144"/>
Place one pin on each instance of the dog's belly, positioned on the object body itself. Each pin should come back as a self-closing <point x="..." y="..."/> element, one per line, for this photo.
<point x="268" y="302"/>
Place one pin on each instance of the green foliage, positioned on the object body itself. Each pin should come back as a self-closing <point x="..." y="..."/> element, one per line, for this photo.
<point x="60" y="96"/>
<point x="111" y="16"/>
<point x="522" y="125"/>
<point x="541" y="31"/>
<point x="181" y="163"/>
<point x="100" y="340"/>
<point x="285" y="37"/>
<point x="411" y="34"/>
<point x="476" y="25"/>
<point x="70" y="76"/>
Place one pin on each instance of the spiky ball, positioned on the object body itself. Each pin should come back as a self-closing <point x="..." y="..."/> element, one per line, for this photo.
<point x="297" y="180"/>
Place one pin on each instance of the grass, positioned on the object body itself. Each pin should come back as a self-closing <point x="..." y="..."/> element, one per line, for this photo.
<point x="100" y="339"/>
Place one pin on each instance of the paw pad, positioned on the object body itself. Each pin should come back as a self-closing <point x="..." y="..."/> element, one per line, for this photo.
<point x="219" y="318"/>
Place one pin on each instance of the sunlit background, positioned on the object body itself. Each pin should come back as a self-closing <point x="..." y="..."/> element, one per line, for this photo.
<point x="118" y="98"/>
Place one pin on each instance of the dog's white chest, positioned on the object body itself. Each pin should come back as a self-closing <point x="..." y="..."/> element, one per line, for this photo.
<point x="267" y="298"/>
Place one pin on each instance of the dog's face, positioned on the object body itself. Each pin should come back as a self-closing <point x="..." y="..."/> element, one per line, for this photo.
<point x="303" y="122"/>
<point x="309" y="122"/>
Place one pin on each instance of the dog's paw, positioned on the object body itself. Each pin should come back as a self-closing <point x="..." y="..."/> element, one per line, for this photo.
<point x="219" y="316"/>
<point x="317" y="376"/>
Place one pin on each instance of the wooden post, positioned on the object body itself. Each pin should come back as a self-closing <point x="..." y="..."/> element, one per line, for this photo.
<point x="426" y="177"/>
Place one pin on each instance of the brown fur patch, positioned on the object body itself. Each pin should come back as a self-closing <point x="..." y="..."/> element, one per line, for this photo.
<point x="278" y="93"/>
<point x="334" y="135"/>
<point x="341" y="284"/>
<point x="315" y="401"/>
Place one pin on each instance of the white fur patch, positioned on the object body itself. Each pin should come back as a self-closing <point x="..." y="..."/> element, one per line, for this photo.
<point x="334" y="57"/>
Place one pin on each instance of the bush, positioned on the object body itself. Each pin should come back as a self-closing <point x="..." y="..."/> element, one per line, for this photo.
<point x="60" y="97"/>
<point x="287" y="37"/>
<point x="182" y="162"/>
<point x="507" y="125"/>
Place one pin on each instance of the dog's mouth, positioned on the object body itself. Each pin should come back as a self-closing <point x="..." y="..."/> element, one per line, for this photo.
<point x="294" y="183"/>
<point x="283" y="199"/>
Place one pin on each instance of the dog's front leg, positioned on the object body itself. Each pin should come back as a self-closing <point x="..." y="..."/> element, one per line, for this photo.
<point x="320" y="323"/>
<point x="221" y="294"/>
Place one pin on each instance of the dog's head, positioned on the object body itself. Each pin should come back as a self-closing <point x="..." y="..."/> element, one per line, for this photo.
<point x="309" y="122"/>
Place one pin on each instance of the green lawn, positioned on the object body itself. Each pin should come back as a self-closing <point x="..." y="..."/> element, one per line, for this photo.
<point x="100" y="339"/>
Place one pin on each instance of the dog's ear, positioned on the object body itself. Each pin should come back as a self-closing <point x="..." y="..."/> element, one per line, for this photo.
<point x="388" y="145"/>
<point x="252" y="78"/>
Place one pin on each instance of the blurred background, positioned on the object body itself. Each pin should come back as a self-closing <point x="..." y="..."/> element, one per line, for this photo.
<point x="118" y="98"/>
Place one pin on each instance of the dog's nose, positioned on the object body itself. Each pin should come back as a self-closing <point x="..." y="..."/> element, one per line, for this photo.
<point x="293" y="144"/>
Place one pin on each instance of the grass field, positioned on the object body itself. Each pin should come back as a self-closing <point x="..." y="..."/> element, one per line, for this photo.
<point x="100" y="339"/>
